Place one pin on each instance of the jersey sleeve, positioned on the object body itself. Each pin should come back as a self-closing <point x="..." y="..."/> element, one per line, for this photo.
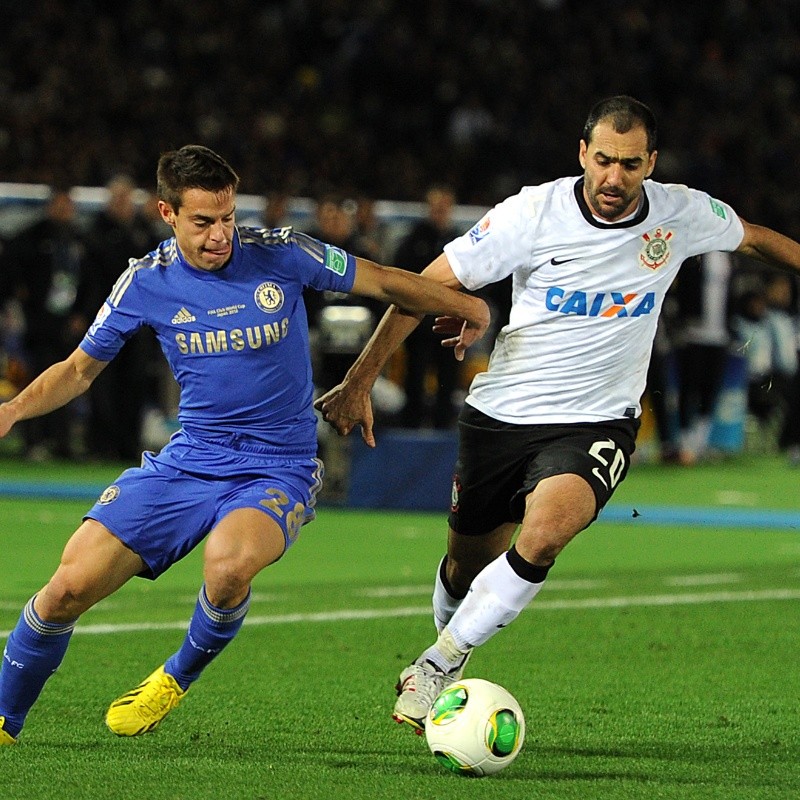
<point x="714" y="224"/>
<point x="117" y="320"/>
<point x="323" y="266"/>
<point x="495" y="246"/>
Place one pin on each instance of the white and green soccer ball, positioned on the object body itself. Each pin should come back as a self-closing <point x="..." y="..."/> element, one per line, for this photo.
<point x="475" y="727"/>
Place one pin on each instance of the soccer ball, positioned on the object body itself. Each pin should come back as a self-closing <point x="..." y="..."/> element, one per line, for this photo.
<point x="475" y="727"/>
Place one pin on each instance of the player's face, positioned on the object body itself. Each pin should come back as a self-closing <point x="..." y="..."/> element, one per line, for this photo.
<point x="614" y="168"/>
<point x="203" y="226"/>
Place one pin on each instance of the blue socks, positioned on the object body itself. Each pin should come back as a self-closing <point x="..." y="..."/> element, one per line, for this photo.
<point x="210" y="629"/>
<point x="36" y="648"/>
<point x="32" y="654"/>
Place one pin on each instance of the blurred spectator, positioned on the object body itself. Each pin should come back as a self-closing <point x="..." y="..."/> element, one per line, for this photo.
<point x="43" y="266"/>
<point x="158" y="230"/>
<point x="780" y="296"/>
<point x="658" y="393"/>
<point x="371" y="234"/>
<point x="117" y="398"/>
<point x="340" y="326"/>
<point x="701" y="341"/>
<point x="334" y="223"/>
<point x="424" y="352"/>
<point x="337" y="336"/>
<point x="13" y="370"/>
<point x="471" y="123"/>
<point x="754" y="340"/>
<point x="771" y="366"/>
<point x="276" y="209"/>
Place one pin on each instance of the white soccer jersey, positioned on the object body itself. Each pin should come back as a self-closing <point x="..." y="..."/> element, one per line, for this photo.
<point x="586" y="295"/>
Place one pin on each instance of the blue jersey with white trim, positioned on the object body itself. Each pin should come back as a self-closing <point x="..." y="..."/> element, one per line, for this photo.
<point x="236" y="339"/>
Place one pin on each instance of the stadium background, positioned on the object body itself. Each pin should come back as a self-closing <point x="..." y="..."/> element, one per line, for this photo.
<point x="381" y="99"/>
<point x="383" y="96"/>
<point x="679" y="682"/>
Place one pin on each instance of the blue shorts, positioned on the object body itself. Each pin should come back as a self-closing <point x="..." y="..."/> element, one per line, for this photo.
<point x="162" y="511"/>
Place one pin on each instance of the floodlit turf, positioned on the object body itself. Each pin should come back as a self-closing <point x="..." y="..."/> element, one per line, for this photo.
<point x="659" y="661"/>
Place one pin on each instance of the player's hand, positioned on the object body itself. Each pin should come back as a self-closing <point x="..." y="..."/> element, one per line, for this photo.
<point x="460" y="333"/>
<point x="344" y="407"/>
<point x="7" y="420"/>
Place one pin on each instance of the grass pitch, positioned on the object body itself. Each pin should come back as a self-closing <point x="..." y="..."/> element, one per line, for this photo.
<point x="660" y="660"/>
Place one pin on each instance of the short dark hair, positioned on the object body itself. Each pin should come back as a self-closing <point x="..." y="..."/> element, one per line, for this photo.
<point x="624" y="113"/>
<point x="192" y="167"/>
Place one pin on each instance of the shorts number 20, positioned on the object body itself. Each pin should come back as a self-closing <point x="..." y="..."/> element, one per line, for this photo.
<point x="613" y="459"/>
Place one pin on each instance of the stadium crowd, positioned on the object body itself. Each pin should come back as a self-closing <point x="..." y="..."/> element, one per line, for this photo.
<point x="384" y="98"/>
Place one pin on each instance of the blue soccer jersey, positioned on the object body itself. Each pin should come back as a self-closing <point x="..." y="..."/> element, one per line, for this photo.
<point x="236" y="338"/>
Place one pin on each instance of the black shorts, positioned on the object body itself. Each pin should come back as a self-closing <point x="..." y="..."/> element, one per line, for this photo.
<point x="499" y="464"/>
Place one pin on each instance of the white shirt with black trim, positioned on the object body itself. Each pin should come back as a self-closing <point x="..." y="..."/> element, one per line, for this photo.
<point x="586" y="295"/>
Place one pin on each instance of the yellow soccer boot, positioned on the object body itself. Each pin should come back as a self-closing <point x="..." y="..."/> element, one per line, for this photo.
<point x="141" y="709"/>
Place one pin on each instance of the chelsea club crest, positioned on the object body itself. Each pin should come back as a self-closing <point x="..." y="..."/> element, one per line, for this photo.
<point x="269" y="297"/>
<point x="109" y="495"/>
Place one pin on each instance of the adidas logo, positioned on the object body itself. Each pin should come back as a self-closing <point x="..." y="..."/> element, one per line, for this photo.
<point x="183" y="316"/>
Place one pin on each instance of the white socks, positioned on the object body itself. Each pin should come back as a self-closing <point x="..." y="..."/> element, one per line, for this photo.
<point x="495" y="599"/>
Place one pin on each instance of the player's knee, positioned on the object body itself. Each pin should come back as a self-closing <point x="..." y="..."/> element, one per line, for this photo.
<point x="227" y="580"/>
<point x="64" y="599"/>
<point x="236" y="552"/>
<point x="543" y="548"/>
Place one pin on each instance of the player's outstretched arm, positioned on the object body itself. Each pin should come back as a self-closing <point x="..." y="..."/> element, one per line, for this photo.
<point x="769" y="246"/>
<point x="55" y="387"/>
<point x="349" y="404"/>
<point x="435" y="291"/>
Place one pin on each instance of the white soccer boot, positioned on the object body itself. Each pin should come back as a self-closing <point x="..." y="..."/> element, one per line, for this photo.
<point x="419" y="685"/>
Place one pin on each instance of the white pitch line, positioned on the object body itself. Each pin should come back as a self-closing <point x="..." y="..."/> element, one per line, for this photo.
<point x="395" y="591"/>
<point x="575" y="584"/>
<point x="418" y="611"/>
<point x="672" y="599"/>
<point x="703" y="580"/>
<point x="426" y="588"/>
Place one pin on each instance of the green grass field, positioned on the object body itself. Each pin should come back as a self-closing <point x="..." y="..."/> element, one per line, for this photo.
<point x="660" y="661"/>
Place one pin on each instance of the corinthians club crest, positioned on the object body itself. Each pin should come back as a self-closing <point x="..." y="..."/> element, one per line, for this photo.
<point x="656" y="250"/>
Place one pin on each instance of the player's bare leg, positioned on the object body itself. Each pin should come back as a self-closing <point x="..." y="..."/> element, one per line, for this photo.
<point x="94" y="564"/>
<point x="556" y="511"/>
<point x="243" y="543"/>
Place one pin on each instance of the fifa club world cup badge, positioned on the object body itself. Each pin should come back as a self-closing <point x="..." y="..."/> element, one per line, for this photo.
<point x="656" y="251"/>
